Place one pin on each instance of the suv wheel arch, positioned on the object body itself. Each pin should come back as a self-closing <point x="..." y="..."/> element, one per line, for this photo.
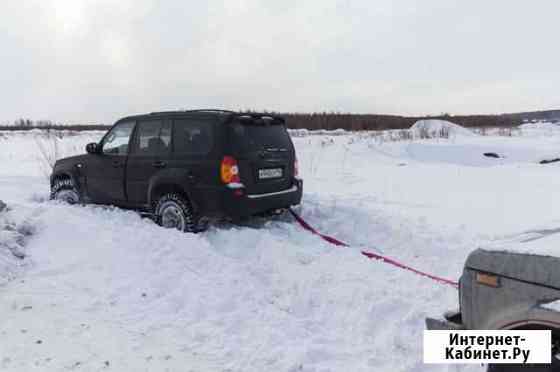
<point x="157" y="190"/>
<point x="65" y="176"/>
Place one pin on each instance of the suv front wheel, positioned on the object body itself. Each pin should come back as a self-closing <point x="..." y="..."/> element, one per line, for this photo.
<point x="64" y="190"/>
<point x="173" y="211"/>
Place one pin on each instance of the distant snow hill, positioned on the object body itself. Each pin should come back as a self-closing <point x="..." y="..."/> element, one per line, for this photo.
<point x="435" y="127"/>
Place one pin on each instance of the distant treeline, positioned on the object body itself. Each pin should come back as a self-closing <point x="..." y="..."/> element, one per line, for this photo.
<point x="28" y="124"/>
<point x="331" y="121"/>
<point x="356" y="122"/>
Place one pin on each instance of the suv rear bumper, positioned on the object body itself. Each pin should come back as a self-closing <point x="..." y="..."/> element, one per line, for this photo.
<point x="250" y="204"/>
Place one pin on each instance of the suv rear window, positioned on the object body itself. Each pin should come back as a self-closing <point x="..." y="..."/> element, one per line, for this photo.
<point x="193" y="136"/>
<point x="257" y="135"/>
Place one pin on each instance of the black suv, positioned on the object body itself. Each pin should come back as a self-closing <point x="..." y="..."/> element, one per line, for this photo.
<point x="186" y="167"/>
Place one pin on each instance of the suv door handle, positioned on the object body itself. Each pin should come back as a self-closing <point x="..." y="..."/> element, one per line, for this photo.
<point x="159" y="164"/>
<point x="190" y="176"/>
<point x="117" y="164"/>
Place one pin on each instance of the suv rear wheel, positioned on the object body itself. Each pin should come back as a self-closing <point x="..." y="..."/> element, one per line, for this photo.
<point x="173" y="211"/>
<point x="64" y="190"/>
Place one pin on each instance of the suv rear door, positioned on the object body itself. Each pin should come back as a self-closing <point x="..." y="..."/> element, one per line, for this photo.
<point x="264" y="151"/>
<point x="194" y="156"/>
<point x="150" y="151"/>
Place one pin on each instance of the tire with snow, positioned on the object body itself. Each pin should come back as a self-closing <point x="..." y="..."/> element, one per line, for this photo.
<point x="64" y="190"/>
<point x="173" y="211"/>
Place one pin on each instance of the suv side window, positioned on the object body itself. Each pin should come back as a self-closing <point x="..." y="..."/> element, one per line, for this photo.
<point x="193" y="136"/>
<point x="116" y="141"/>
<point x="152" y="138"/>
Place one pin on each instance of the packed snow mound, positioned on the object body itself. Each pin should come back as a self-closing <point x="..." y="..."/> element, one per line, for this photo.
<point x="15" y="228"/>
<point x="433" y="128"/>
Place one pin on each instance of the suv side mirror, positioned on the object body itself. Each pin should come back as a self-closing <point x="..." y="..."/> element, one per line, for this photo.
<point x="93" y="148"/>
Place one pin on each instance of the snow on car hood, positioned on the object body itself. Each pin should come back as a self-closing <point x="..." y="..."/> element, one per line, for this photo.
<point x="533" y="256"/>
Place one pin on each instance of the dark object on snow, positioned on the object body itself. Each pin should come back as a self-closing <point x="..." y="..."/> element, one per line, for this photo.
<point x="548" y="161"/>
<point x="492" y="155"/>
<point x="2" y="205"/>
<point x="186" y="167"/>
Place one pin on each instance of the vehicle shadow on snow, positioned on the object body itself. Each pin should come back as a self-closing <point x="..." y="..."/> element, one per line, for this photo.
<point x="255" y="222"/>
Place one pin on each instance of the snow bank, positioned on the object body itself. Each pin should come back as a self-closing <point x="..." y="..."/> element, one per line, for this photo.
<point x="434" y="128"/>
<point x="15" y="229"/>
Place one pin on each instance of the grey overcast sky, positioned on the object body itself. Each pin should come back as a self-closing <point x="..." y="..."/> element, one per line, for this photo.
<point x="92" y="61"/>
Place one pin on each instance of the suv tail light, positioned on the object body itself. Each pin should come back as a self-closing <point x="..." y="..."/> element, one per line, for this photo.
<point x="229" y="171"/>
<point x="296" y="168"/>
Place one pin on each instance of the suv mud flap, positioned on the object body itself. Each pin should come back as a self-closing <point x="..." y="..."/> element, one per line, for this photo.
<point x="452" y="322"/>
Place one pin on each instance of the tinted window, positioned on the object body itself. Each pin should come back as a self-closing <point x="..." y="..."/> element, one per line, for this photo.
<point x="251" y="137"/>
<point x="192" y="136"/>
<point x="152" y="138"/>
<point x="116" y="141"/>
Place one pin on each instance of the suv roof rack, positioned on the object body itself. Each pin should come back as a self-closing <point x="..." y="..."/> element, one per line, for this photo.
<point x="239" y="114"/>
<point x="186" y="111"/>
<point x="260" y="115"/>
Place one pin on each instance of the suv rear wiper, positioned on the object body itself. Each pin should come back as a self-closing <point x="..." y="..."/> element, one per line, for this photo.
<point x="273" y="149"/>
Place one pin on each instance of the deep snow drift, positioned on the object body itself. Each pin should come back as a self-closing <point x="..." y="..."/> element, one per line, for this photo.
<point x="102" y="288"/>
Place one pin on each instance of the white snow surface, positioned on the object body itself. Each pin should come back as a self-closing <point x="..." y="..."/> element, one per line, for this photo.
<point x="103" y="289"/>
<point x="554" y="306"/>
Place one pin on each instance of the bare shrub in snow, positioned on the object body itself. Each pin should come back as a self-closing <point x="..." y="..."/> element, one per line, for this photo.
<point x="404" y="135"/>
<point x="507" y="132"/>
<point x="49" y="153"/>
<point x="327" y="142"/>
<point x="425" y="132"/>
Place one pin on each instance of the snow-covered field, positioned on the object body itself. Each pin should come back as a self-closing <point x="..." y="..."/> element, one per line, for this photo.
<point x="103" y="289"/>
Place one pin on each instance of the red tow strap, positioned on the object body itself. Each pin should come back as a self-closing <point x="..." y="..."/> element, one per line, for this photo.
<point x="371" y="255"/>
